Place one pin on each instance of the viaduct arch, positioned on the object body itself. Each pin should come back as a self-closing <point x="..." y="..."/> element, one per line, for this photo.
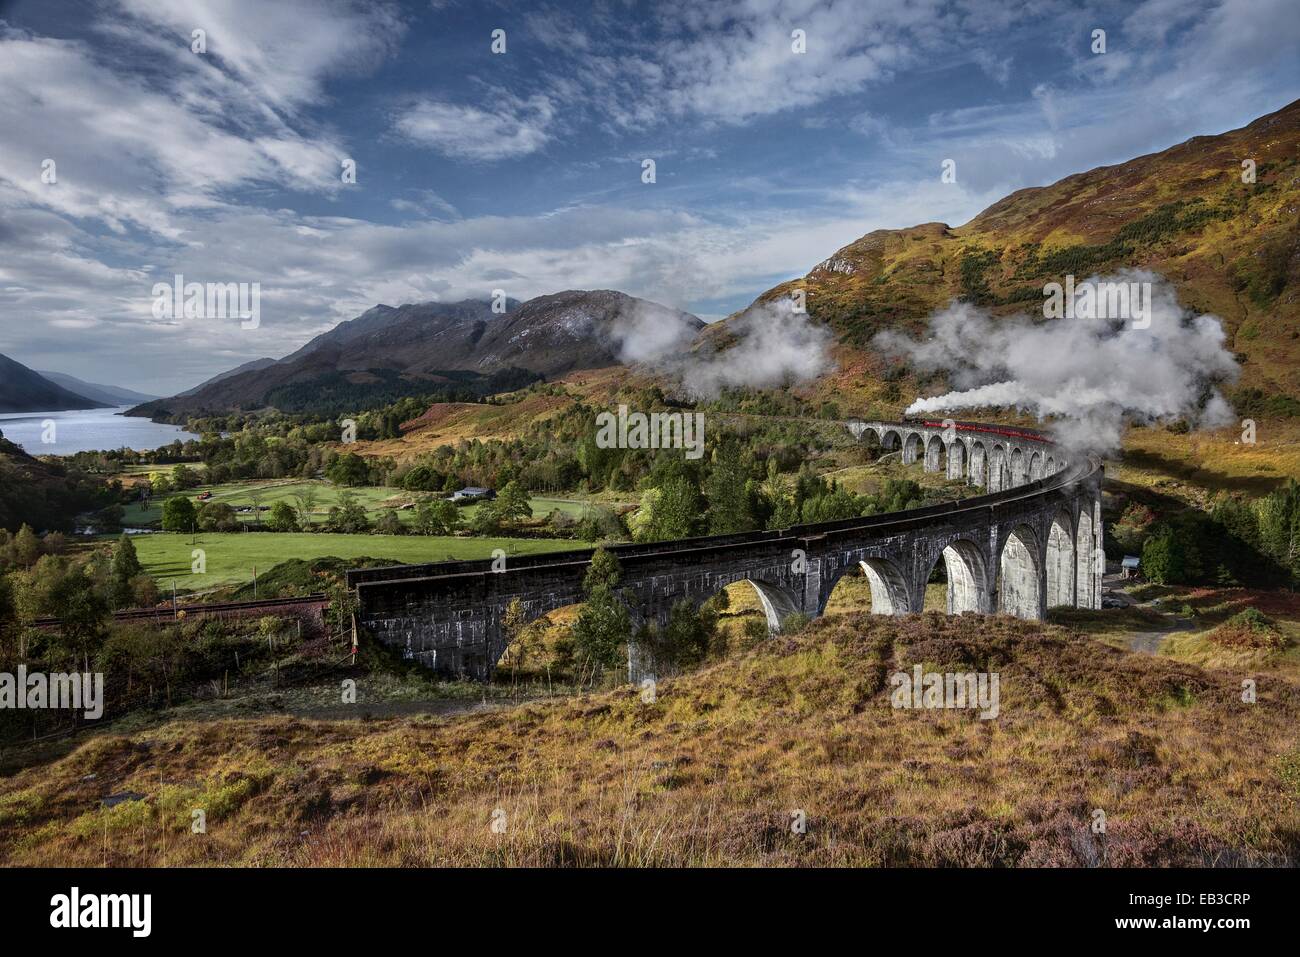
<point x="1030" y="543"/>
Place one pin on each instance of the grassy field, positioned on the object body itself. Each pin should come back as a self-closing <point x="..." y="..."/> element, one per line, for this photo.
<point x="870" y="479"/>
<point x="710" y="770"/>
<point x="267" y="493"/>
<point x="232" y="556"/>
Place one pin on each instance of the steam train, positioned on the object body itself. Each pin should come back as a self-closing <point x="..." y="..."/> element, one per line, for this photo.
<point x="1026" y="434"/>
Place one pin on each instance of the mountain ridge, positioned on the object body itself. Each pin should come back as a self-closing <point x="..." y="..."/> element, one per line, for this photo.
<point x="1228" y="247"/>
<point x="25" y="390"/>
<point x="458" y="347"/>
<point x="112" y="394"/>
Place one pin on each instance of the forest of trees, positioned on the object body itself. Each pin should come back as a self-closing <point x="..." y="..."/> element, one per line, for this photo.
<point x="1237" y="542"/>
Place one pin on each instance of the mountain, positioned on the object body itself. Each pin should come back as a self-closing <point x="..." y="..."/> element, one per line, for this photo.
<point x="461" y="350"/>
<point x="111" y="394"/>
<point x="22" y="390"/>
<point x="1229" y="248"/>
<point x="250" y="366"/>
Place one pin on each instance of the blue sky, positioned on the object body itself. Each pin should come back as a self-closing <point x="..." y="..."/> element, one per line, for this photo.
<point x="523" y="170"/>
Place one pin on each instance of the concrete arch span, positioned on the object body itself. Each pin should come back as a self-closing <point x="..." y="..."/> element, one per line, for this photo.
<point x="778" y="604"/>
<point x="966" y="571"/>
<point x="1060" y="561"/>
<point x="957" y="460"/>
<point x="1019" y="574"/>
<point x="889" y="589"/>
<point x="979" y="465"/>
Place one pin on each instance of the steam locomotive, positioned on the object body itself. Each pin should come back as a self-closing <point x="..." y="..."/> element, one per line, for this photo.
<point x="1027" y="434"/>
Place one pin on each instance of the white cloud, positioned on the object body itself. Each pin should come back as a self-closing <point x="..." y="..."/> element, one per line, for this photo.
<point x="513" y="128"/>
<point x="729" y="63"/>
<point x="164" y="156"/>
<point x="127" y="153"/>
<point x="425" y="202"/>
<point x="282" y="51"/>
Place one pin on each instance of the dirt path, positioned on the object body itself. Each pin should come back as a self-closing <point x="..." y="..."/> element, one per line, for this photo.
<point x="1144" y="642"/>
<point x="1149" y="642"/>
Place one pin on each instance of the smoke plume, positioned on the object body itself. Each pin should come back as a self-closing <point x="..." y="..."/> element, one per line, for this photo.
<point x="1088" y="375"/>
<point x="772" y="346"/>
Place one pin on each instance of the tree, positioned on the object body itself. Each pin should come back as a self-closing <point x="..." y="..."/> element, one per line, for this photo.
<point x="1131" y="531"/>
<point x="603" y="626"/>
<point x="178" y="514"/>
<point x="8" y="613"/>
<point x="216" y="517"/>
<point x="306" y="500"/>
<point x="1165" y="556"/>
<point x="600" y="523"/>
<point x="283" y="518"/>
<point x="27" y="547"/>
<point x="1279" y="529"/>
<point x="673" y="511"/>
<point x="33" y="588"/>
<point x="487" y="518"/>
<point x="348" y="469"/>
<point x="512" y="504"/>
<point x="81" y="611"/>
<point x="144" y="591"/>
<point x="727" y="494"/>
<point x="184" y="477"/>
<point x="437" y="517"/>
<point x="126" y="566"/>
<point x="520" y="636"/>
<point x="348" y="515"/>
<point x="422" y="478"/>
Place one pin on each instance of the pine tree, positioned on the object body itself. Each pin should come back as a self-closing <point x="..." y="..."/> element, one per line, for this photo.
<point x="603" y="626"/>
<point x="727" y="495"/>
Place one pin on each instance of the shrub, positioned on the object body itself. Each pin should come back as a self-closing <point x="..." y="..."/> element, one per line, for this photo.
<point x="389" y="523"/>
<point x="1249" y="628"/>
<point x="795" y="623"/>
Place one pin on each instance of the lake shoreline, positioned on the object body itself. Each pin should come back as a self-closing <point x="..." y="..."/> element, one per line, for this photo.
<point x="71" y="431"/>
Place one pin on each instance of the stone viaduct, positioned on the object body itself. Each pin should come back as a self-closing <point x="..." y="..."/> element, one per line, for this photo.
<point x="1031" y="542"/>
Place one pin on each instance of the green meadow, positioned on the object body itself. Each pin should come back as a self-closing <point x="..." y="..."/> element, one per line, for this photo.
<point x="231" y="556"/>
<point x="268" y="492"/>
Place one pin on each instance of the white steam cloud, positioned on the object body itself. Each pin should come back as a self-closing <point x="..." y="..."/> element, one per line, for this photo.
<point x="1089" y="375"/>
<point x="772" y="346"/>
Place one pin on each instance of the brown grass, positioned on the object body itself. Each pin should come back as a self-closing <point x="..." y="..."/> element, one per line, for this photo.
<point x="711" y="771"/>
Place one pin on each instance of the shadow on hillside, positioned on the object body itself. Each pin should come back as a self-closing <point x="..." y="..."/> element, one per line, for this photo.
<point x="1255" y="485"/>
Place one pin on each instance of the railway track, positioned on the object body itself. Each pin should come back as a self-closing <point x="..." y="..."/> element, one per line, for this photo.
<point x="206" y="610"/>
